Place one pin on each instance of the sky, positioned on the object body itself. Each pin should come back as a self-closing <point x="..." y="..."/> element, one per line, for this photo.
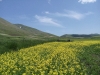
<point x="57" y="17"/>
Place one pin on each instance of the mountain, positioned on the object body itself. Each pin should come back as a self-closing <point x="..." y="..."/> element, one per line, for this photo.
<point x="33" y="32"/>
<point x="80" y="35"/>
<point x="10" y="29"/>
<point x="7" y="28"/>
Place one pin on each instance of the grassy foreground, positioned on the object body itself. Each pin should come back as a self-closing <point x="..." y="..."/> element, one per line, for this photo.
<point x="55" y="58"/>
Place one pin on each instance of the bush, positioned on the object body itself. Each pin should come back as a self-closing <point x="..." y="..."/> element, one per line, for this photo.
<point x="12" y="45"/>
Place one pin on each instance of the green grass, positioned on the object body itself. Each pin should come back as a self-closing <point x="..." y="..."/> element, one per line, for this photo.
<point x="91" y="58"/>
<point x="9" y="43"/>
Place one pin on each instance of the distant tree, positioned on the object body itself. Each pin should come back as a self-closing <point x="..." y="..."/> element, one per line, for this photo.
<point x="58" y="40"/>
<point x="68" y="40"/>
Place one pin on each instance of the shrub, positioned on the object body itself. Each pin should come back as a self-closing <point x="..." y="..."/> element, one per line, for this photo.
<point x="12" y="45"/>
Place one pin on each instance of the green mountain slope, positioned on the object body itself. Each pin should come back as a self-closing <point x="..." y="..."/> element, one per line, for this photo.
<point x="10" y="29"/>
<point x="7" y="28"/>
<point x="32" y="31"/>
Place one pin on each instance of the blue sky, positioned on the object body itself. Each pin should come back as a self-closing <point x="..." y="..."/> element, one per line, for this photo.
<point x="54" y="16"/>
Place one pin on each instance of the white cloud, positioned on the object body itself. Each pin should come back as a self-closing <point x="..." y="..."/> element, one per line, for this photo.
<point x="47" y="20"/>
<point x="88" y="13"/>
<point x="0" y="0"/>
<point x="86" y="1"/>
<point x="46" y="12"/>
<point x="71" y="14"/>
<point x="49" y="1"/>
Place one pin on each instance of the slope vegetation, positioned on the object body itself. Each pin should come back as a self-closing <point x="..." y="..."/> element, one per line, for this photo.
<point x="33" y="31"/>
<point x="7" y="28"/>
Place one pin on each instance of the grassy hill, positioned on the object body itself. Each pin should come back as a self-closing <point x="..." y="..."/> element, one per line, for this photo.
<point x="7" y="28"/>
<point x="33" y="32"/>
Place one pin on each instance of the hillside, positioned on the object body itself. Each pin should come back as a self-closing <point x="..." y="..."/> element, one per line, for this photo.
<point x="7" y="28"/>
<point x="33" y="32"/>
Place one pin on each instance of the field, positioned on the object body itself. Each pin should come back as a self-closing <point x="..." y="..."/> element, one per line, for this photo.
<point x="53" y="58"/>
<point x="13" y="43"/>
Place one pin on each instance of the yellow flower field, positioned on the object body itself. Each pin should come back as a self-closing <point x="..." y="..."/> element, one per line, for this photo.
<point x="55" y="58"/>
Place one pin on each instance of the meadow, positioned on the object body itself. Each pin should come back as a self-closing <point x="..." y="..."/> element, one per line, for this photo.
<point x="13" y="43"/>
<point x="53" y="58"/>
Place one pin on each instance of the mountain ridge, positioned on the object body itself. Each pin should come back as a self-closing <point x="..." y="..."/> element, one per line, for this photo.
<point x="8" y="28"/>
<point x="80" y="35"/>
